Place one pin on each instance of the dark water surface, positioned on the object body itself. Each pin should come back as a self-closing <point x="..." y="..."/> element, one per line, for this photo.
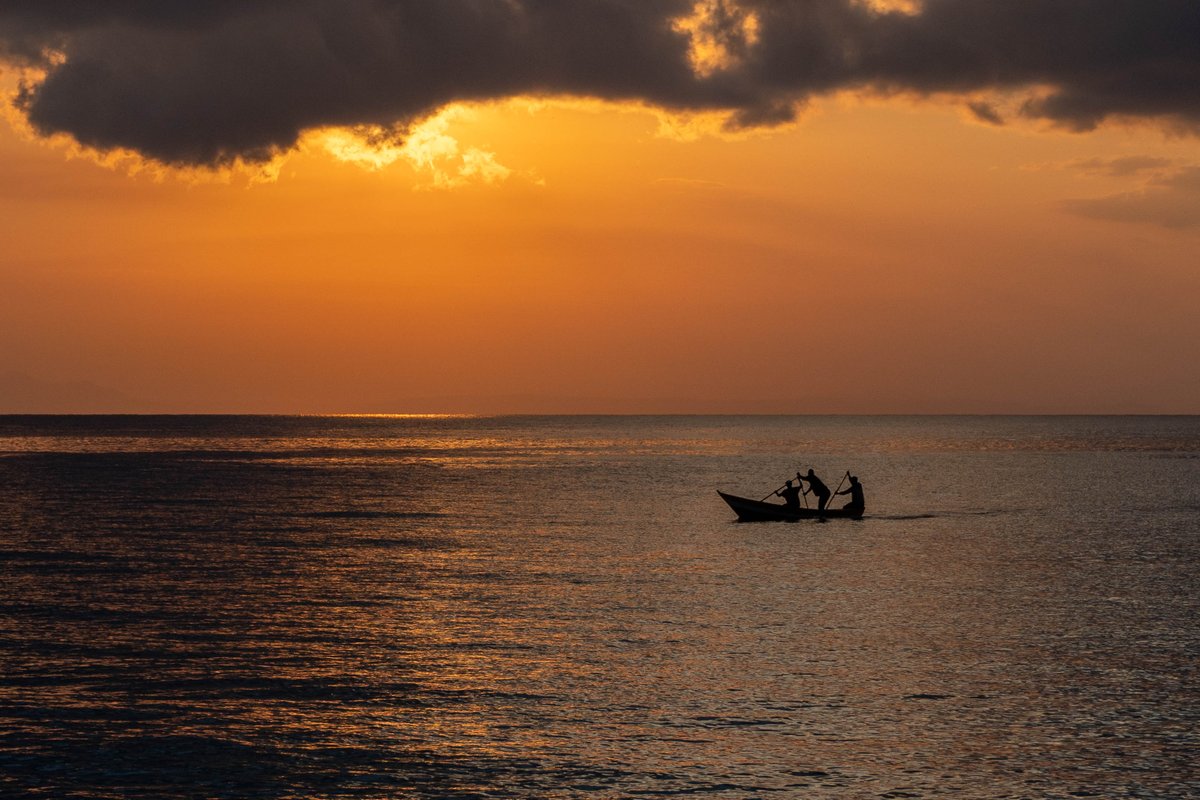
<point x="276" y="607"/>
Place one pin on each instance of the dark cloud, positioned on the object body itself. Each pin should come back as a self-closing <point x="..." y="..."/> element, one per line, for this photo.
<point x="207" y="81"/>
<point x="985" y="112"/>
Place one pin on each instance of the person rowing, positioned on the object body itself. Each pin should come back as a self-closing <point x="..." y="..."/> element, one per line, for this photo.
<point x="857" y="504"/>
<point x="816" y="487"/>
<point x="790" y="495"/>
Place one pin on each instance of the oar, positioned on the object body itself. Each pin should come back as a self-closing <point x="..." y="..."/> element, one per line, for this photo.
<point x="835" y="491"/>
<point x="780" y="489"/>
<point x="772" y="494"/>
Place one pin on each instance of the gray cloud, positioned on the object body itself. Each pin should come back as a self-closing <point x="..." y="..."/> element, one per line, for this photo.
<point x="985" y="112"/>
<point x="1172" y="201"/>
<point x="1124" y="166"/>
<point x="207" y="81"/>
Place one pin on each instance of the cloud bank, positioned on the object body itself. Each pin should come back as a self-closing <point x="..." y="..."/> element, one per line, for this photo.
<point x="208" y="82"/>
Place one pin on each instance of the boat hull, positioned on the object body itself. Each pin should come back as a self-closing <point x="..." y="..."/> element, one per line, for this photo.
<point x="748" y="510"/>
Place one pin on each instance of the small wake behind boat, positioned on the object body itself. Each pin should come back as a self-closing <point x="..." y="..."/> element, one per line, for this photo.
<point x="748" y="510"/>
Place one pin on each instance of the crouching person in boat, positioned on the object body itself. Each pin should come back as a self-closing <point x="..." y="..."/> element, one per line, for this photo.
<point x="857" y="504"/>
<point x="817" y="487"/>
<point x="791" y="496"/>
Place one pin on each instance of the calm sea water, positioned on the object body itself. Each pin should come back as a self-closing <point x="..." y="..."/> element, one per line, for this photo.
<point x="277" y="607"/>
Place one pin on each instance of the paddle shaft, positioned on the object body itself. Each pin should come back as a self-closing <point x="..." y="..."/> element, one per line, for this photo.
<point x="780" y="489"/>
<point x="843" y="480"/>
<point x="772" y="494"/>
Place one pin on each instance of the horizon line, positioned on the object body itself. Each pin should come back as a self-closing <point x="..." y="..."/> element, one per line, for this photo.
<point x="517" y="414"/>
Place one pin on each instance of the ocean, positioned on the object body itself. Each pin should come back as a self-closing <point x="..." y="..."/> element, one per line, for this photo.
<point x="561" y="607"/>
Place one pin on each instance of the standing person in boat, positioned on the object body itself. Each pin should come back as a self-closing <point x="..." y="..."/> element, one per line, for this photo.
<point x="791" y="496"/>
<point x="857" y="504"/>
<point x="817" y="487"/>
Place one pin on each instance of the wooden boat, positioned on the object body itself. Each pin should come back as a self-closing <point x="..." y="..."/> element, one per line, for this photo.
<point x="759" y="511"/>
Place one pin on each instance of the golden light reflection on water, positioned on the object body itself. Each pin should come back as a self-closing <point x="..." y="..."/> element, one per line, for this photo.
<point x="554" y="621"/>
<point x="396" y="416"/>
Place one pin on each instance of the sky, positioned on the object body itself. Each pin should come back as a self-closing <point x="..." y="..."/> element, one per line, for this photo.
<point x="600" y="206"/>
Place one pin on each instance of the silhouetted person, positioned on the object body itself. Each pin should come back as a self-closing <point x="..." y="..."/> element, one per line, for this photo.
<point x="791" y="496"/>
<point x="816" y="487"/>
<point x="857" y="504"/>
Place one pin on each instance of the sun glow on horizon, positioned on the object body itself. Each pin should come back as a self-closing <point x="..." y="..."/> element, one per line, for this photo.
<point x="879" y="255"/>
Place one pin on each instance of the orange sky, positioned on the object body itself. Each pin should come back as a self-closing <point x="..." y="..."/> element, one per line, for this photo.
<point x="887" y="257"/>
